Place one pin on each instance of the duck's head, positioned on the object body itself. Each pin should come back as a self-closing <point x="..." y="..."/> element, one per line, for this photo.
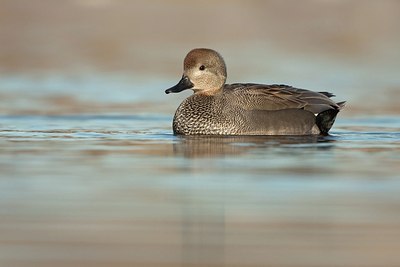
<point x="204" y="72"/>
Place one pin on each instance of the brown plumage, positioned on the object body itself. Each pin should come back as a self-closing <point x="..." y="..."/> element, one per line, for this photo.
<point x="217" y="108"/>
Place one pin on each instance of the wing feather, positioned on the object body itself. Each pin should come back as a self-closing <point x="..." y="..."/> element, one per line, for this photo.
<point x="279" y="96"/>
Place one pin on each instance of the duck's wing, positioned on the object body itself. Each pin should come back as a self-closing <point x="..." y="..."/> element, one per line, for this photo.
<point x="278" y="96"/>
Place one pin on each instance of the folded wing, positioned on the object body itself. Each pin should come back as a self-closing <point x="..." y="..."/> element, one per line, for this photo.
<point x="279" y="96"/>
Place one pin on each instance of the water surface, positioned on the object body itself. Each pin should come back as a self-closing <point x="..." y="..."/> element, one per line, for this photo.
<point x="121" y="190"/>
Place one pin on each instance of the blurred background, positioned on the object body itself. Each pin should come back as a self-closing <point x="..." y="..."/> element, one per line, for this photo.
<point x="91" y="56"/>
<point x="91" y="174"/>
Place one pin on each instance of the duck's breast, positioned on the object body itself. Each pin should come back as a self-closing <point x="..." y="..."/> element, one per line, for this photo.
<point x="200" y="114"/>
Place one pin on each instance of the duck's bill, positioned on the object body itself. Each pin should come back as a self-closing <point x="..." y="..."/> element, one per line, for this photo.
<point x="183" y="84"/>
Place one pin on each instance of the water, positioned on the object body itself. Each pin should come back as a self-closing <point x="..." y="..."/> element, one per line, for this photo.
<point x="121" y="190"/>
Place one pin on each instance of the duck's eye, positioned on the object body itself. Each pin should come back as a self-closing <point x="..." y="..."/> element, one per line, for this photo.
<point x="202" y="67"/>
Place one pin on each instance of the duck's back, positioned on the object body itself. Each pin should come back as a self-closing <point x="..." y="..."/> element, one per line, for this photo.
<point x="278" y="97"/>
<point x="254" y="109"/>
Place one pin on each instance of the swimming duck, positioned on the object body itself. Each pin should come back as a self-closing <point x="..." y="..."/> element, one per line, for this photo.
<point x="217" y="108"/>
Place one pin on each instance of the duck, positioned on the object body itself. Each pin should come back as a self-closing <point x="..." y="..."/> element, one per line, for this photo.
<point x="217" y="108"/>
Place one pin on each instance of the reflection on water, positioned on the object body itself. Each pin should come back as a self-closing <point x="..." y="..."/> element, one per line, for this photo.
<point x="214" y="146"/>
<point x="121" y="190"/>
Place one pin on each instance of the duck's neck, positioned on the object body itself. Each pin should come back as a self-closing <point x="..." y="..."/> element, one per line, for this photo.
<point x="210" y="92"/>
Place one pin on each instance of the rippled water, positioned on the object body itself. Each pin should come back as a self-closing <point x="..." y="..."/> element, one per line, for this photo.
<point x="121" y="190"/>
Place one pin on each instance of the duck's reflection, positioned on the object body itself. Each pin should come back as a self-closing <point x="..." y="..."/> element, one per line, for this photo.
<point x="209" y="146"/>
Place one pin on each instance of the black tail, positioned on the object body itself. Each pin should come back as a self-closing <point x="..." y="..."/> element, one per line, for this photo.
<point x="325" y="120"/>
